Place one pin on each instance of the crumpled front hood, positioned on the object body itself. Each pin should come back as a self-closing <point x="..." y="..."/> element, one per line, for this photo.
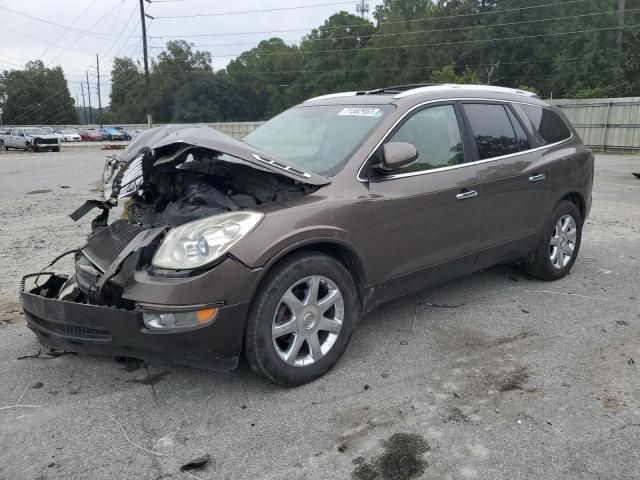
<point x="44" y="137"/>
<point x="206" y="137"/>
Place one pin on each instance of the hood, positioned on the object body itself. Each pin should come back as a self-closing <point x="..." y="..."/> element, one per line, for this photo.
<point x="171" y="135"/>
<point x="44" y="137"/>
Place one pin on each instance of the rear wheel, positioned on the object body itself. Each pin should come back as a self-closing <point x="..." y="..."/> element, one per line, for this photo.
<point x="2" y="147"/>
<point x="559" y="246"/>
<point x="301" y="319"/>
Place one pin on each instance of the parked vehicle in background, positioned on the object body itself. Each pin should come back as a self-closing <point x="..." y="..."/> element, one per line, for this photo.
<point x="127" y="135"/>
<point x="52" y="131"/>
<point x="275" y="245"/>
<point x="70" y="136"/>
<point x="30" y="138"/>
<point x="110" y="133"/>
<point x="90" y="136"/>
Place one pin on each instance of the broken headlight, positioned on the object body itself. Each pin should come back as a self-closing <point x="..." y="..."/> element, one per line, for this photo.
<point x="199" y="243"/>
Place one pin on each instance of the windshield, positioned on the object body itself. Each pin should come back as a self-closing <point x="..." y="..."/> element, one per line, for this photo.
<point x="317" y="138"/>
<point x="36" y="131"/>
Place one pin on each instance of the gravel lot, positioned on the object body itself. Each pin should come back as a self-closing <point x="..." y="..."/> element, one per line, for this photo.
<point x="494" y="376"/>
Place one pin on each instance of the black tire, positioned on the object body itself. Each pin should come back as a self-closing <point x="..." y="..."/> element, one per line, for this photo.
<point x="259" y="346"/>
<point x="56" y="149"/>
<point x="2" y="147"/>
<point x="541" y="265"/>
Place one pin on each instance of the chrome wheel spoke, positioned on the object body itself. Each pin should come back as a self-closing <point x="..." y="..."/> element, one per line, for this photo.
<point x="291" y="353"/>
<point x="555" y="241"/>
<point x="312" y="293"/>
<point x="314" y="346"/>
<point x="294" y="304"/>
<point x="329" y="300"/>
<point x="329" y="325"/>
<point x="286" y="328"/>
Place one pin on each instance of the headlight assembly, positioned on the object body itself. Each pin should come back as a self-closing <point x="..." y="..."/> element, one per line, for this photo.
<point x="199" y="243"/>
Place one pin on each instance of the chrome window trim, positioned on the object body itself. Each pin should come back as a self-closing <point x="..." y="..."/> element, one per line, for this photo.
<point x="452" y="167"/>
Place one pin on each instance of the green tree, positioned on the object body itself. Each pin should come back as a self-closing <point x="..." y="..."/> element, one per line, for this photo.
<point x="36" y="96"/>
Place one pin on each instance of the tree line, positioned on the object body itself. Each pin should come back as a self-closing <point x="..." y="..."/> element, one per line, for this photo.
<point x="557" y="48"/>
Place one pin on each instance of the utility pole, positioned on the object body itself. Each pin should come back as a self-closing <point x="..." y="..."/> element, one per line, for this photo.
<point x="621" y="7"/>
<point x="146" y="60"/>
<point x="362" y="8"/>
<point x="84" y="104"/>
<point x="89" y="95"/>
<point x="99" y="99"/>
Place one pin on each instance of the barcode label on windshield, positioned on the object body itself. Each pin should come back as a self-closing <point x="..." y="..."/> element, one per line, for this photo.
<point x="360" y="112"/>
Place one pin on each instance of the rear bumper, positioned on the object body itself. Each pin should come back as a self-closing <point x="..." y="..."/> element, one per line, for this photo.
<point x="104" y="330"/>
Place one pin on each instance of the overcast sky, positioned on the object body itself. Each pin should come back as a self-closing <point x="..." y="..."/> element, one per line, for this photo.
<point x="112" y="28"/>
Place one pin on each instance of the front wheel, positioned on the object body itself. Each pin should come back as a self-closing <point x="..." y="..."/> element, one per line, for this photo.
<point x="560" y="243"/>
<point x="301" y="319"/>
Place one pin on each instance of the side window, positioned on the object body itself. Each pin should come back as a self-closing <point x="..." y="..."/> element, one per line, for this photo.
<point x="492" y="130"/>
<point x="435" y="133"/>
<point x="548" y="123"/>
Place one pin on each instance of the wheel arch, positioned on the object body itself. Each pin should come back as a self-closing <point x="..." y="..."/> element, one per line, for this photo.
<point x="577" y="199"/>
<point x="342" y="251"/>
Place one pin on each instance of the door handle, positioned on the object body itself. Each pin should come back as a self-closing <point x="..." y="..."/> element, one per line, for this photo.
<point x="536" y="177"/>
<point x="466" y="194"/>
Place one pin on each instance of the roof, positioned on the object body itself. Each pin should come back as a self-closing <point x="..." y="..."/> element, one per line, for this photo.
<point x="394" y="94"/>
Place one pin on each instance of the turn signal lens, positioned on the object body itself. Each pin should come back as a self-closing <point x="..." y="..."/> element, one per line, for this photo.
<point x="166" y="321"/>
<point x="206" y="315"/>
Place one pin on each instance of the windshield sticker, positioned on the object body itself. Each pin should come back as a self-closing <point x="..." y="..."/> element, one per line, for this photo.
<point x="360" y="112"/>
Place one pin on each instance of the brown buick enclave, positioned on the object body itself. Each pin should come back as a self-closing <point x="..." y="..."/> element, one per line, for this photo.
<point x="277" y="244"/>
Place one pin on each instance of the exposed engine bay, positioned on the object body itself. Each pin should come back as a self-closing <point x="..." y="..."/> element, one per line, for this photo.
<point x="200" y="183"/>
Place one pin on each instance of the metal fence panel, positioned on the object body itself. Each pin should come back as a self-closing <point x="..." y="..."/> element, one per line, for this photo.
<point x="605" y="123"/>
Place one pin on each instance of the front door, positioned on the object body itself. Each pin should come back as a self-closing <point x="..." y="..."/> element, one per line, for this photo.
<point x="426" y="215"/>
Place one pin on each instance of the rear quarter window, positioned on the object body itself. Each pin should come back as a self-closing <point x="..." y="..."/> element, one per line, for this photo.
<point x="549" y="125"/>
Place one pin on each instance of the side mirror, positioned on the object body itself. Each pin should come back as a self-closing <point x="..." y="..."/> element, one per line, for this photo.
<point x="396" y="155"/>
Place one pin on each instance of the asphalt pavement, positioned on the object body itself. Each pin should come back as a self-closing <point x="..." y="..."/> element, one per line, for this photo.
<point x="492" y="376"/>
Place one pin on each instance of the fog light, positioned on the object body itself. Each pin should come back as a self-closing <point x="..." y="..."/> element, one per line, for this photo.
<point x="162" y="321"/>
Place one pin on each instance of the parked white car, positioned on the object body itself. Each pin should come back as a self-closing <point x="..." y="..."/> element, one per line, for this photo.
<point x="70" y="136"/>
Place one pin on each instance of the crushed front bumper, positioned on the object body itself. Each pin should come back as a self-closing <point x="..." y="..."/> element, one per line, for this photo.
<point x="105" y="330"/>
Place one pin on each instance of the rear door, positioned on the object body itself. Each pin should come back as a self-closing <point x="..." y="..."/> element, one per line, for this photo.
<point x="514" y="176"/>
<point x="427" y="216"/>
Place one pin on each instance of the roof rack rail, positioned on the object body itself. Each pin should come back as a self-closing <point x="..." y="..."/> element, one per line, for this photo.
<point x="455" y="86"/>
<point x="396" y="88"/>
<point x="391" y="89"/>
<point x="333" y="95"/>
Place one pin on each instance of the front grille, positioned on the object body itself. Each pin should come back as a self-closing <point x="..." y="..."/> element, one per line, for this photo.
<point x="104" y="246"/>
<point x="70" y="329"/>
<point x="47" y="141"/>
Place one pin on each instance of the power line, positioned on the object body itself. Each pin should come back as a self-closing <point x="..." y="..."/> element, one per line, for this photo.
<point x="435" y="44"/>
<point x="67" y="29"/>
<point x="279" y="9"/>
<point x="424" y="19"/>
<point x="415" y="32"/>
<point x="49" y="22"/>
<point x="40" y="40"/>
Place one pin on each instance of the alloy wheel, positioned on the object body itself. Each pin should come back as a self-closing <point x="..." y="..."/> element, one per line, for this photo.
<point x="307" y="321"/>
<point x="563" y="241"/>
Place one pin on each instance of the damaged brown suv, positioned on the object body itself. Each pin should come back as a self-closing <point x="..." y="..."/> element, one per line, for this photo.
<point x="277" y="244"/>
